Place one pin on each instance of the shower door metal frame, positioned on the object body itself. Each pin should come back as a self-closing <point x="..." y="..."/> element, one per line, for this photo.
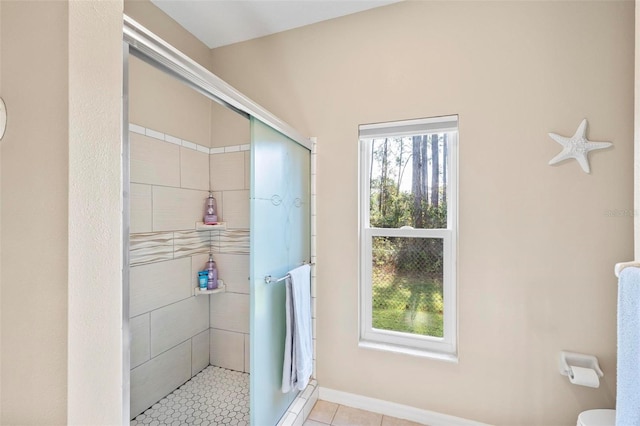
<point x="145" y="45"/>
<point x="150" y="48"/>
<point x="126" y="230"/>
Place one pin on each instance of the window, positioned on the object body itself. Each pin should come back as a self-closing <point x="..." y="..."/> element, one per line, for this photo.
<point x="408" y="221"/>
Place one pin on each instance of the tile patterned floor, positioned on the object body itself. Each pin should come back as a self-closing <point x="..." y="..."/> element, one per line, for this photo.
<point x="215" y="396"/>
<point x="327" y="413"/>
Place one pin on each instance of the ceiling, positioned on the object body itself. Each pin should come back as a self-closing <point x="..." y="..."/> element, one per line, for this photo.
<point x="221" y="22"/>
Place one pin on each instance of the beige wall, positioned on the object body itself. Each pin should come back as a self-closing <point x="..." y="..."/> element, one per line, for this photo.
<point x="228" y="127"/>
<point x="636" y="176"/>
<point x="61" y="291"/>
<point x="61" y="249"/>
<point x="159" y="101"/>
<point x="95" y="346"/>
<point x="1" y="400"/>
<point x="169" y="30"/>
<point x="34" y="211"/>
<point x="536" y="246"/>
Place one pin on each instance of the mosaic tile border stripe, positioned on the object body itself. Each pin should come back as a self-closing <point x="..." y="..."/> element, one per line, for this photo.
<point x="160" y="246"/>
<point x="231" y="241"/>
<point x="135" y="128"/>
<point x="188" y="243"/>
<point x="150" y="247"/>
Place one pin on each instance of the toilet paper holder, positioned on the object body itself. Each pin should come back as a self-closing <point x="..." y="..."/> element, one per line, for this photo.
<point x="574" y="359"/>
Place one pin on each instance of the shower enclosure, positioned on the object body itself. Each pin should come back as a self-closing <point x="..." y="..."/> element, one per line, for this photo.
<point x="226" y="344"/>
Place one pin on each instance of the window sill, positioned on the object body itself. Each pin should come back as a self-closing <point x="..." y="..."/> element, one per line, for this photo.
<point x="421" y="353"/>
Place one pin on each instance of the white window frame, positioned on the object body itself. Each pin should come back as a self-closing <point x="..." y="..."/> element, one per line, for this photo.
<point x="444" y="348"/>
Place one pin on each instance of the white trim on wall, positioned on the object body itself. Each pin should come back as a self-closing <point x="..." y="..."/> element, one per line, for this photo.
<point x="157" y="135"/>
<point x="314" y="233"/>
<point x="393" y="409"/>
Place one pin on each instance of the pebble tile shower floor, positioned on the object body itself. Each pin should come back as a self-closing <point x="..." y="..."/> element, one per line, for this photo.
<point x="215" y="396"/>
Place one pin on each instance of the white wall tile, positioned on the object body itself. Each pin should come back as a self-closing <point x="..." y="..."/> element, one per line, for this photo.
<point x="154" y="134"/>
<point x="158" y="284"/>
<point x="227" y="171"/>
<point x="140" y="208"/>
<point x="194" y="169"/>
<point x="139" y="329"/>
<point x="297" y="406"/>
<point x="154" y="162"/>
<point x="219" y="203"/>
<point x="178" y="322"/>
<point x="155" y="379"/>
<point x="233" y="269"/>
<point x="177" y="209"/>
<point x="247" y="170"/>
<point x="136" y="129"/>
<point x="230" y="311"/>
<point x="190" y="145"/>
<point x="236" y="209"/>
<point x="313" y="307"/>
<point x="227" y="349"/>
<point x="200" y="349"/>
<point x="247" y="352"/>
<point x="288" y="419"/>
<point x="173" y="140"/>
<point x="311" y="402"/>
<point x="306" y="394"/>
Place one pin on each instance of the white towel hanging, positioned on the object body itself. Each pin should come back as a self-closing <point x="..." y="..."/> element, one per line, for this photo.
<point x="298" y="353"/>
<point x="620" y="266"/>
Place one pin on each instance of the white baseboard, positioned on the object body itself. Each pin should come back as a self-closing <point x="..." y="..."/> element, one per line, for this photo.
<point x="392" y="409"/>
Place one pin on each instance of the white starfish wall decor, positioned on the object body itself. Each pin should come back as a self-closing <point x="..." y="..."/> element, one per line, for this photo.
<point x="577" y="147"/>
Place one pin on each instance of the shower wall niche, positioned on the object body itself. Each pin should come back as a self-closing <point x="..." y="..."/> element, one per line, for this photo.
<point x="182" y="145"/>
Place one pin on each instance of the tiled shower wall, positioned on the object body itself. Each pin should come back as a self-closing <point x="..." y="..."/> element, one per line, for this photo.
<point x="171" y="335"/>
<point x="169" y="326"/>
<point x="176" y="157"/>
<point x="230" y="310"/>
<point x="172" y="170"/>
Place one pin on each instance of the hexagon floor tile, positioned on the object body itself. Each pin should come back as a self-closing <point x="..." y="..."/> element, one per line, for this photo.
<point x="216" y="396"/>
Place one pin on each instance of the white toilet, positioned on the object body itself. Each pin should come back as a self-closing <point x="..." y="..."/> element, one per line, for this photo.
<point x="597" y="418"/>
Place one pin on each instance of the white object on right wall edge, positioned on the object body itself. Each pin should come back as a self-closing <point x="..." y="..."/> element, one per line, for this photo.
<point x="577" y="146"/>
<point x="3" y="118"/>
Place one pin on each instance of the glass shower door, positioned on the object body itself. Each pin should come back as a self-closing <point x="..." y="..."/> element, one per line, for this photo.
<point x="280" y="241"/>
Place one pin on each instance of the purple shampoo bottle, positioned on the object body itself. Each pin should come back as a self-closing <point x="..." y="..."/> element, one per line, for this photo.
<point x="212" y="281"/>
<point x="211" y="213"/>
